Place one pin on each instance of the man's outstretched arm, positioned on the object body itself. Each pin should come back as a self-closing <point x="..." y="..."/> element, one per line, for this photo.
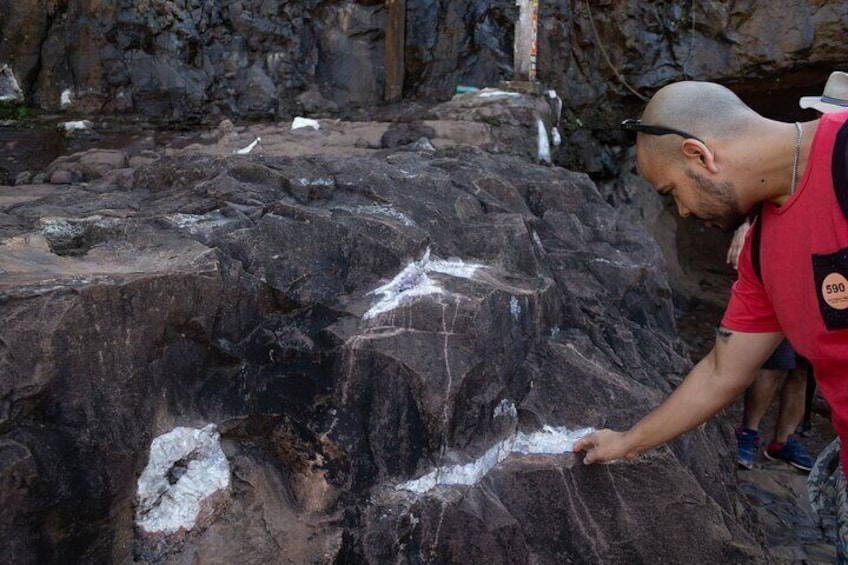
<point x="711" y="385"/>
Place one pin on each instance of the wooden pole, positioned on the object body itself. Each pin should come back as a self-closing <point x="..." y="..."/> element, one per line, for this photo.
<point x="526" y="40"/>
<point x="395" y="40"/>
<point x="534" y="38"/>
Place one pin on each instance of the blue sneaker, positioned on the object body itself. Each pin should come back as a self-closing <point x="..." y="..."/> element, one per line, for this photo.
<point x="747" y="441"/>
<point x="790" y="452"/>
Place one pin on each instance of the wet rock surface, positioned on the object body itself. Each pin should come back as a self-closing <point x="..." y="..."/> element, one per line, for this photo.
<point x="351" y="317"/>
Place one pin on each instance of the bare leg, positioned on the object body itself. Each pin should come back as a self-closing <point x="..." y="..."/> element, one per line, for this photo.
<point x="792" y="397"/>
<point x="758" y="396"/>
<point x="807" y="424"/>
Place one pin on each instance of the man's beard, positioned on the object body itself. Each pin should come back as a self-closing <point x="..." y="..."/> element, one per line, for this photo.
<point x="716" y="203"/>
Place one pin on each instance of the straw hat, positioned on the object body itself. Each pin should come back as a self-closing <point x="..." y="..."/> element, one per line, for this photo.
<point x="833" y="99"/>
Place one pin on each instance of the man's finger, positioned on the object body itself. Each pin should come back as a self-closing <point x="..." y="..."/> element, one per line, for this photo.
<point x="584" y="442"/>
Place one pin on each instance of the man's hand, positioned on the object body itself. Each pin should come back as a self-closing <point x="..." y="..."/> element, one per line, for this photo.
<point x="604" y="445"/>
<point x="736" y="244"/>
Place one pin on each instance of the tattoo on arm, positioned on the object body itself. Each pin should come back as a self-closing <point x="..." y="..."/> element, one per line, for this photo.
<point x="723" y="334"/>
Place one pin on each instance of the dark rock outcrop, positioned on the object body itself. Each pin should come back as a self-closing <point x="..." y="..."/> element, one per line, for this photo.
<point x="179" y="60"/>
<point x="359" y="323"/>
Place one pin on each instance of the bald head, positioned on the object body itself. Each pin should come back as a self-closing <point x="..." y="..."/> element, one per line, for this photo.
<point x="705" y="109"/>
<point x="692" y="167"/>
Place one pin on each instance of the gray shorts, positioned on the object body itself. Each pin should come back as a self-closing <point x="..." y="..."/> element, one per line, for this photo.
<point x="784" y="358"/>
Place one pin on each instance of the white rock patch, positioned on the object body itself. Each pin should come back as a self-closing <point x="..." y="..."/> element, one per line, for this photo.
<point x="186" y="474"/>
<point x="413" y="281"/>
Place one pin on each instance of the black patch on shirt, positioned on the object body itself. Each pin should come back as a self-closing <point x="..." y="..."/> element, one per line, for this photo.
<point x="831" y="276"/>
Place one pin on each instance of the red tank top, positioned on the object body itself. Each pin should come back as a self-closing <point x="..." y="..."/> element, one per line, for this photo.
<point x="803" y="289"/>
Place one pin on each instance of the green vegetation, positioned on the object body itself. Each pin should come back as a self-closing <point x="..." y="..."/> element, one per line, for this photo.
<point x="14" y="111"/>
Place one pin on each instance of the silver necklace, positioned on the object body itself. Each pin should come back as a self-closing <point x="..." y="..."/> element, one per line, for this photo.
<point x="795" y="161"/>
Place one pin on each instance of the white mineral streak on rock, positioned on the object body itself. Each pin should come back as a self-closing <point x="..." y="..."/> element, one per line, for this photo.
<point x="538" y="241"/>
<point x="187" y="469"/>
<point x="194" y="223"/>
<point x="556" y="138"/>
<point x="247" y="149"/>
<point x="606" y="261"/>
<point x="549" y="440"/>
<point x="300" y="123"/>
<point x="413" y="281"/>
<point x="542" y="143"/>
<point x="323" y="181"/>
<point x="505" y="408"/>
<point x="514" y="308"/>
<point x="467" y="474"/>
<point x="457" y="269"/>
<point x="10" y="89"/>
<point x="381" y="210"/>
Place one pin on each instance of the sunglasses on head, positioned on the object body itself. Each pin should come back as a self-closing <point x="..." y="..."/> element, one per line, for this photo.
<point x="638" y="126"/>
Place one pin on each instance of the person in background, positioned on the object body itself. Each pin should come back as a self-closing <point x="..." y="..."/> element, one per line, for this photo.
<point x="735" y="161"/>
<point x="834" y="97"/>
<point x="784" y="364"/>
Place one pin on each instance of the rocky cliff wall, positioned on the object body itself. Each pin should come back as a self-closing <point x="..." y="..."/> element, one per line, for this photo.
<point x="189" y="60"/>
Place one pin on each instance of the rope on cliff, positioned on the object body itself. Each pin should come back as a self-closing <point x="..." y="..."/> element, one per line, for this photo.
<point x="606" y="56"/>
<point x="691" y="42"/>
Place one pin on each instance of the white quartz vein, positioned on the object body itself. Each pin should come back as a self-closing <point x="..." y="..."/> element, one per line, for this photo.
<point x="549" y="440"/>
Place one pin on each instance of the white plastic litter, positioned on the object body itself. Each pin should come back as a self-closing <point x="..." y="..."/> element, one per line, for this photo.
<point x="299" y="123"/>
<point x="249" y="148"/>
<point x="66" y="99"/>
<point x="492" y="93"/>
<point x="543" y="145"/>
<point x="76" y="125"/>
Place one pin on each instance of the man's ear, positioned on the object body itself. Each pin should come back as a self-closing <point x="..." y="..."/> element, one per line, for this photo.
<point x="694" y="149"/>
